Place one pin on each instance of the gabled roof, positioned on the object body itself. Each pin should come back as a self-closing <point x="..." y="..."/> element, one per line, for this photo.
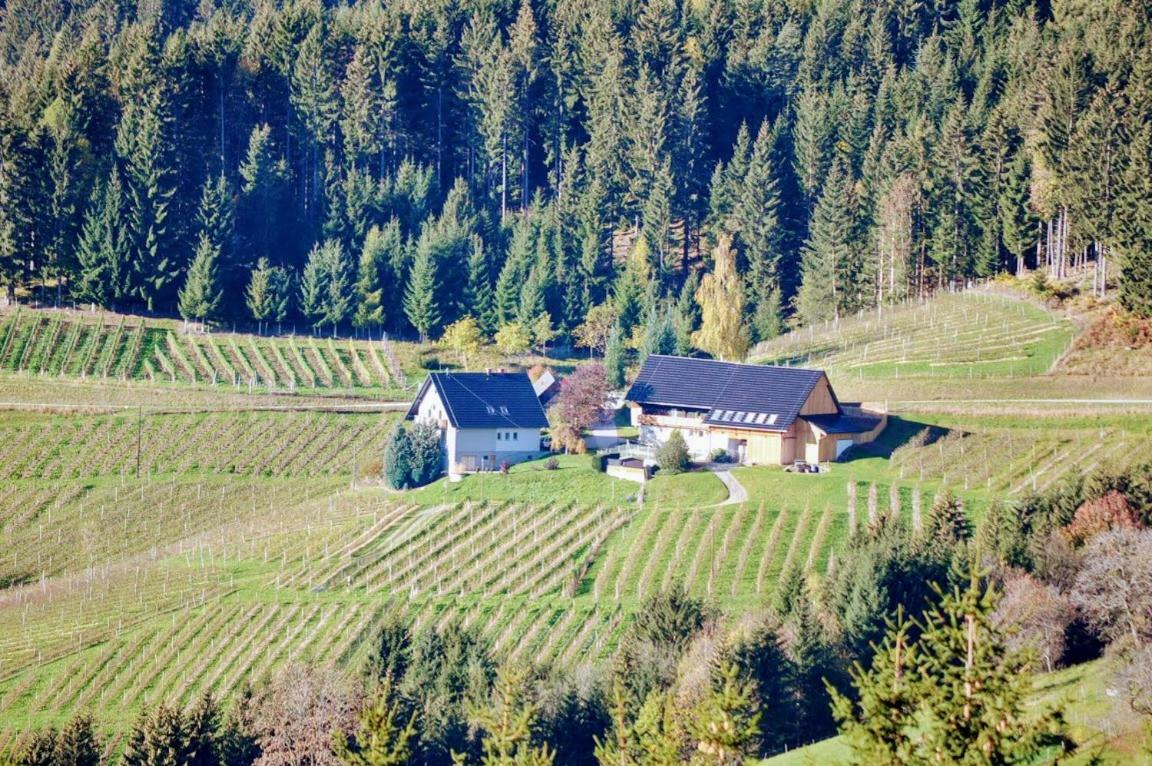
<point x="739" y="395"/>
<point x="484" y="399"/>
<point x="544" y="384"/>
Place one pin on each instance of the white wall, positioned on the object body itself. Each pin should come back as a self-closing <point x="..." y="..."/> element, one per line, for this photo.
<point x="511" y="444"/>
<point x="700" y="445"/>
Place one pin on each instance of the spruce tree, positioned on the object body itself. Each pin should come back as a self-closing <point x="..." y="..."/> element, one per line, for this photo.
<point x="200" y="298"/>
<point x="421" y="298"/>
<point x="614" y="362"/>
<point x="726" y="723"/>
<point x="398" y="459"/>
<point x="372" y="279"/>
<point x="955" y="694"/>
<point x="268" y="293"/>
<point x="480" y="297"/>
<point x="102" y="252"/>
<point x="78" y="744"/>
<point x="827" y="253"/>
<point x="756" y="218"/>
<point x="387" y="731"/>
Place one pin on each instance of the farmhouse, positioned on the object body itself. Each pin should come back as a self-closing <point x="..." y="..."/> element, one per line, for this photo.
<point x="759" y="415"/>
<point x="485" y="418"/>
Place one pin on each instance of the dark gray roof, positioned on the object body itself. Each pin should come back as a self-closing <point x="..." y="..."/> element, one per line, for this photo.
<point x="844" y="424"/>
<point x="485" y="399"/>
<point x="739" y="395"/>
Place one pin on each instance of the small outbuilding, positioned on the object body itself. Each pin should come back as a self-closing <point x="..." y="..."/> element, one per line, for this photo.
<point x="757" y="414"/>
<point x="486" y="419"/>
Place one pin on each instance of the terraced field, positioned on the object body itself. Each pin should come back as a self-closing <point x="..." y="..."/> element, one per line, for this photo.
<point x="116" y="347"/>
<point x="968" y="335"/>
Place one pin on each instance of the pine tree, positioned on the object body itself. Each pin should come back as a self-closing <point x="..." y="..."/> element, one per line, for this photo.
<point x="200" y="298"/>
<point x="373" y="277"/>
<point x="956" y="694"/>
<point x="269" y="293"/>
<point x="722" y="332"/>
<point x="756" y="218"/>
<point x="827" y="254"/>
<point x="480" y="297"/>
<point x="398" y="459"/>
<point x="421" y="297"/>
<point x="726" y="723"/>
<point x="383" y="738"/>
<point x="103" y="254"/>
<point x="507" y="722"/>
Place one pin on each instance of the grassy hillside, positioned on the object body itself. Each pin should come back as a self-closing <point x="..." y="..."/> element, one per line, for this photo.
<point x="156" y="553"/>
<point x="966" y="335"/>
<point x="243" y="545"/>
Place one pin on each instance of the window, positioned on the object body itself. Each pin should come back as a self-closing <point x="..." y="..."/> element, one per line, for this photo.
<point x="499" y="435"/>
<point x="515" y="436"/>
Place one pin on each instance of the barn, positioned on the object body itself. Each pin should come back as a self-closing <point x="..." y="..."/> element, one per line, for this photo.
<point x="757" y="414"/>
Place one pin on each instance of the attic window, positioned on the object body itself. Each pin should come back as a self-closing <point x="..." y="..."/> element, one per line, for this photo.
<point x="503" y="410"/>
<point x="760" y="417"/>
<point x="491" y="410"/>
<point x="772" y="420"/>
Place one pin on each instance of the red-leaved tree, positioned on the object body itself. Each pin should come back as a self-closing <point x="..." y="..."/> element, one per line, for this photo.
<point x="579" y="404"/>
<point x="1100" y="515"/>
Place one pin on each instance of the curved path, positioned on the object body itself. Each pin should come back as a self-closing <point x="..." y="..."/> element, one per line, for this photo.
<point x="736" y="492"/>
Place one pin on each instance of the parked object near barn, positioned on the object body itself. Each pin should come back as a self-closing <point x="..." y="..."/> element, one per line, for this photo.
<point x="759" y="415"/>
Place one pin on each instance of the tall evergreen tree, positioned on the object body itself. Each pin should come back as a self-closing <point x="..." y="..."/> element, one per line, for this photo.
<point x="828" y="252"/>
<point x="421" y="299"/>
<point x="200" y="297"/>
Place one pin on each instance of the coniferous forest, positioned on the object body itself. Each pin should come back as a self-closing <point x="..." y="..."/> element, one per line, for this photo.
<point x="399" y="165"/>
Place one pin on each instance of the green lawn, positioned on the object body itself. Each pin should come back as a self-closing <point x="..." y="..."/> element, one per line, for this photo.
<point x="574" y="481"/>
<point x="686" y="490"/>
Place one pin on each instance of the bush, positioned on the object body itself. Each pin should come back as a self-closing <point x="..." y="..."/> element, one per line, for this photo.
<point x="427" y="458"/>
<point x="596" y="462"/>
<point x="672" y="457"/>
<point x="719" y="455"/>
<point x="413" y="457"/>
<point x="504" y="466"/>
<point x="552" y="464"/>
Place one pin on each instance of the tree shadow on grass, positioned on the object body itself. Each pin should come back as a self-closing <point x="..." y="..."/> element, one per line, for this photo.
<point x="898" y="433"/>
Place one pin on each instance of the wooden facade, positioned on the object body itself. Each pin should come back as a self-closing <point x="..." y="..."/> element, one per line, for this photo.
<point x="802" y="440"/>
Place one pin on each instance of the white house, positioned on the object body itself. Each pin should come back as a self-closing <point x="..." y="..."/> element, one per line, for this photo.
<point x="485" y="418"/>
